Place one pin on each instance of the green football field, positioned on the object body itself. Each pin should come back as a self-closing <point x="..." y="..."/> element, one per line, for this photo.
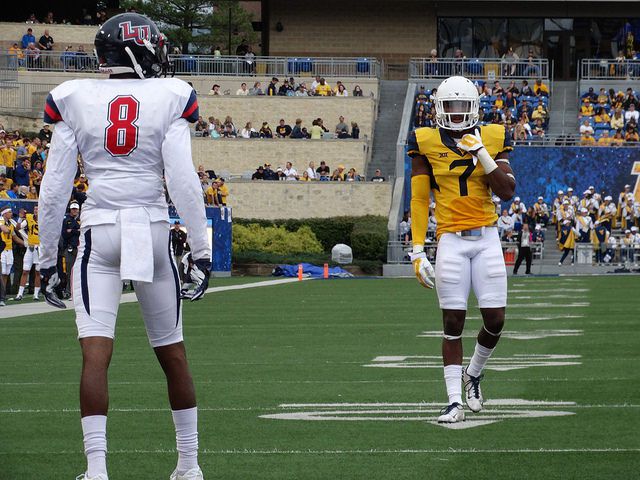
<point x="342" y="379"/>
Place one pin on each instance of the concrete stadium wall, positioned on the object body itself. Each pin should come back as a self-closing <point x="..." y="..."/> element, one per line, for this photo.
<point x="271" y="109"/>
<point x="273" y="200"/>
<point x="393" y="31"/>
<point x="63" y="35"/>
<point x="240" y="156"/>
<point x="203" y="83"/>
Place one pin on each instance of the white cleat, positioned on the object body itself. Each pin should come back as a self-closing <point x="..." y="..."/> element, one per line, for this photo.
<point x="473" y="393"/>
<point x="193" y="474"/>
<point x="84" y="476"/>
<point x="17" y="298"/>
<point x="453" y="413"/>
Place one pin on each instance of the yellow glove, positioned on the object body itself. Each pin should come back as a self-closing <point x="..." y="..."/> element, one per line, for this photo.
<point x="472" y="143"/>
<point x="422" y="267"/>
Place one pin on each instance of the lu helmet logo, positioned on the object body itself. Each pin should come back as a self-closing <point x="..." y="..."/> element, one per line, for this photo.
<point x="137" y="33"/>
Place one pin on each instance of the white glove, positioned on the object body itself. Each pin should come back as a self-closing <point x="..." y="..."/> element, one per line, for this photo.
<point x="422" y="267"/>
<point x="472" y="143"/>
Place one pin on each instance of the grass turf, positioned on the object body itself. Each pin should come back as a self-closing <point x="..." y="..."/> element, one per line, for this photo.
<point x="253" y="350"/>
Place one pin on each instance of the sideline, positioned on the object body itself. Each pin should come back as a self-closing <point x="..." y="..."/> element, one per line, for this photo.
<point x="26" y="309"/>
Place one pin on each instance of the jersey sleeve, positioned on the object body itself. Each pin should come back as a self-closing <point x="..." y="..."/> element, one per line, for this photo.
<point x="413" y="149"/>
<point x="184" y="186"/>
<point x="55" y="191"/>
<point x="51" y="111"/>
<point x="191" y="111"/>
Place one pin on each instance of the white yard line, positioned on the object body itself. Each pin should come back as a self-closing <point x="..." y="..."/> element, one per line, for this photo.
<point x="21" y="310"/>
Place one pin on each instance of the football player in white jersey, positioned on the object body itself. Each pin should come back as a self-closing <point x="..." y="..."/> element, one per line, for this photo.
<point x="130" y="129"/>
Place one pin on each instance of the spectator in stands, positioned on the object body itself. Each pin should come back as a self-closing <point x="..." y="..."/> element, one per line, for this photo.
<point x="586" y="128"/>
<point x="339" y="175"/>
<point x="505" y="224"/>
<point x="404" y="229"/>
<point x="290" y="173"/>
<point x="16" y="56"/>
<point x="513" y="89"/>
<point x="45" y="133"/>
<point x="202" y="126"/>
<point x="248" y="131"/>
<point x="540" y="89"/>
<point x="377" y="176"/>
<point x="316" y="130"/>
<point x="215" y="129"/>
<point x="32" y="19"/>
<point x="315" y="84"/>
<point x="632" y="113"/>
<point x="526" y="89"/>
<point x="493" y="115"/>
<point x="603" y="98"/>
<point x="68" y="58"/>
<point x="32" y="54"/>
<point x="249" y="60"/>
<point x="243" y="91"/>
<point x="524" y="109"/>
<point x="341" y="91"/>
<point x="353" y="176"/>
<point x="509" y="61"/>
<point x="532" y="69"/>
<point x="301" y="90"/>
<point x="601" y="116"/>
<point x="46" y="42"/>
<point x="617" y="121"/>
<point x="323" y="171"/>
<point x="589" y="95"/>
<point x="497" y="88"/>
<point x="632" y="135"/>
<point x="420" y="119"/>
<point x="605" y="139"/>
<point x="283" y="130"/>
<point x="617" y="139"/>
<point x="21" y="174"/>
<point x="223" y="191"/>
<point x="311" y="171"/>
<point x="522" y="130"/>
<point x="256" y="89"/>
<point x="286" y="89"/>
<point x="499" y="101"/>
<point x="49" y="20"/>
<point x="272" y="89"/>
<point x="265" y="131"/>
<point x="630" y="99"/>
<point x="228" y="131"/>
<point x="82" y="59"/>
<point x="586" y="110"/>
<point x="215" y="90"/>
<point x="258" y="174"/>
<point x="341" y="125"/>
<point x="297" y="132"/>
<point x="355" y="130"/>
<point x="269" y="174"/>
<point x="357" y="91"/>
<point x="28" y="38"/>
<point x="510" y="101"/>
<point x="540" y="113"/>
<point x="587" y="140"/>
<point x="323" y="89"/>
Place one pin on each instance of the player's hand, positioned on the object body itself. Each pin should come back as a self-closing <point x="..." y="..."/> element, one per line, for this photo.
<point x="49" y="281"/>
<point x="422" y="267"/>
<point x="199" y="276"/>
<point x="471" y="142"/>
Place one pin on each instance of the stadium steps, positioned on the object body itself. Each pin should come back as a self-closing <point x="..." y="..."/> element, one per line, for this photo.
<point x="392" y="94"/>
<point x="564" y="109"/>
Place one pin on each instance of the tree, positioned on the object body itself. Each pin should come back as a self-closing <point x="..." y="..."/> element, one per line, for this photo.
<point x="197" y="24"/>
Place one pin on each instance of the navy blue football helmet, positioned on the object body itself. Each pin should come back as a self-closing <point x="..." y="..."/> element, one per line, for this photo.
<point x="132" y="43"/>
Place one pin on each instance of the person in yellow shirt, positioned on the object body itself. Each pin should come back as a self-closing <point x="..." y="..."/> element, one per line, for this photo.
<point x="7" y="182"/>
<point x="587" y="140"/>
<point x="601" y="116"/>
<point x="540" y="89"/>
<point x="324" y="89"/>
<point x="603" y="98"/>
<point x="8" y="156"/>
<point x="587" y="109"/>
<point x="3" y="190"/>
<point x="499" y="102"/>
<point x="33" y="193"/>
<point x="223" y="192"/>
<point x="7" y="237"/>
<point x="617" y="139"/>
<point x="16" y="56"/>
<point x="211" y="194"/>
<point x="605" y="139"/>
<point x="81" y="184"/>
<point x="32" y="255"/>
<point x="461" y="164"/>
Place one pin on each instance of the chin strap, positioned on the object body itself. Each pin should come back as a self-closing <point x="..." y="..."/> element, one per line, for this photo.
<point x="136" y="66"/>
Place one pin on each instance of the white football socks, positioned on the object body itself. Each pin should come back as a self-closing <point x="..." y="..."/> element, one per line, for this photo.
<point x="453" y="380"/>
<point x="479" y="359"/>
<point x="186" y="423"/>
<point x="20" y="291"/>
<point x="36" y="292"/>
<point x="94" y="429"/>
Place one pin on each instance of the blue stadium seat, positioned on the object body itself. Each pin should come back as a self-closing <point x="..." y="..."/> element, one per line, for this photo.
<point x="601" y="126"/>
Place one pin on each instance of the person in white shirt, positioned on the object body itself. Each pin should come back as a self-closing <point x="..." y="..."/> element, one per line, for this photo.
<point x="248" y="130"/>
<point x="586" y="128"/>
<point x="505" y="224"/>
<point x="314" y="84"/>
<point x="290" y="173"/>
<point x="131" y="130"/>
<point x="311" y="171"/>
<point x="242" y="91"/>
<point x="584" y="224"/>
<point x="631" y="113"/>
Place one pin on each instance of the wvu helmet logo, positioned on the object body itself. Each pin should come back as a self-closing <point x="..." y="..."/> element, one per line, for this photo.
<point x="137" y="33"/>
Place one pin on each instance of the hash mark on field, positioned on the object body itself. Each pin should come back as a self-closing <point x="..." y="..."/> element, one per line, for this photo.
<point x="533" y="335"/>
<point x="544" y="297"/>
<point x="549" y="290"/>
<point x="522" y="316"/>
<point x="500" y="364"/>
<point x="549" y="305"/>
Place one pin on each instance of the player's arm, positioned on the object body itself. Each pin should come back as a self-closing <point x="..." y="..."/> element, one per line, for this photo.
<point x="420" y="188"/>
<point x="184" y="189"/>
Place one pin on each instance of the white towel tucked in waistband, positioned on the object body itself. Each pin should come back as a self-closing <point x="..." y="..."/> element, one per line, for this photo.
<point x="136" y="250"/>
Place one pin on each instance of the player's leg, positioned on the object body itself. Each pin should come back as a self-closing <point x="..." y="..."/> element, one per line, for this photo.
<point x="452" y="285"/>
<point x="96" y="293"/>
<point x="2" y="284"/>
<point x="489" y="281"/>
<point x="27" y="263"/>
<point x="36" y="282"/>
<point x="161" y="310"/>
<point x="7" y="266"/>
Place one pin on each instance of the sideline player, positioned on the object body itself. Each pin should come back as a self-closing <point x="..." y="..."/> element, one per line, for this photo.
<point x="31" y="256"/>
<point x="129" y="129"/>
<point x="462" y="165"/>
<point x="7" y="237"/>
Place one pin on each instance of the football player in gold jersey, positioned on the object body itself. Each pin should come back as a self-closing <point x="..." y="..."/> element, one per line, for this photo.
<point x="7" y="237"/>
<point x="461" y="165"/>
<point x="32" y="255"/>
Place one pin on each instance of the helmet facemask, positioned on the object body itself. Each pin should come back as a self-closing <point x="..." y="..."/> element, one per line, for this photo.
<point x="457" y="114"/>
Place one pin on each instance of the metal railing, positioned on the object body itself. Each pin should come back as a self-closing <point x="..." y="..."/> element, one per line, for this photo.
<point x="24" y="98"/>
<point x="398" y="251"/>
<point x="479" y="68"/>
<point x="602" y="69"/>
<point x="568" y="140"/>
<point x="207" y="65"/>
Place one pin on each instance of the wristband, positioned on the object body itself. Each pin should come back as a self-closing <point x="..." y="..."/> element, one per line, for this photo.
<point x="487" y="162"/>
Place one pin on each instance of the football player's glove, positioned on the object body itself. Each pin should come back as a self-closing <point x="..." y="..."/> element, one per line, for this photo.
<point x="471" y="142"/>
<point x="49" y="280"/>
<point x="422" y="267"/>
<point x="199" y="280"/>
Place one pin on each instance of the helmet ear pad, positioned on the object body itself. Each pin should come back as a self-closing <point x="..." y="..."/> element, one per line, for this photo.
<point x="457" y="89"/>
<point x="131" y="43"/>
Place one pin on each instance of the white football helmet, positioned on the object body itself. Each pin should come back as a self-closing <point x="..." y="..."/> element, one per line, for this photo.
<point x="457" y="97"/>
